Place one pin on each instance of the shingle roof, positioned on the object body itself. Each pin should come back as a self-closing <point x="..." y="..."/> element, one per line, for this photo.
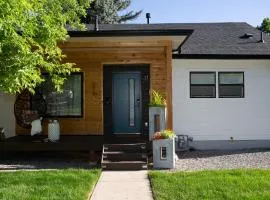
<point x="207" y="38"/>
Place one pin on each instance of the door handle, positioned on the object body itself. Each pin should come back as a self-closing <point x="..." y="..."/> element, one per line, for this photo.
<point x="107" y="100"/>
<point x="138" y="101"/>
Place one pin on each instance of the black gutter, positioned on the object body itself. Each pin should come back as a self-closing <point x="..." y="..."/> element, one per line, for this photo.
<point x="115" y="33"/>
<point x="220" y="56"/>
<point x="178" y="50"/>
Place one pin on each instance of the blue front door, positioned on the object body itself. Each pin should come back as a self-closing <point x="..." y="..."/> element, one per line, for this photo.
<point x="126" y="102"/>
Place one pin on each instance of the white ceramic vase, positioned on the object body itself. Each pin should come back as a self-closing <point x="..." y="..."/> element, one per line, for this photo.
<point x="54" y="131"/>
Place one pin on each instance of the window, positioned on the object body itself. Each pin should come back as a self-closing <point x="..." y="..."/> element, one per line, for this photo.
<point x="231" y="84"/>
<point x="202" y="84"/>
<point x="131" y="83"/>
<point x="66" y="104"/>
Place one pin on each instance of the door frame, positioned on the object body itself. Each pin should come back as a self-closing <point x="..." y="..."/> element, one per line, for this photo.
<point x="108" y="70"/>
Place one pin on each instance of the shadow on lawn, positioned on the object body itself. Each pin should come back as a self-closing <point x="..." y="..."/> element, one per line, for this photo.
<point x="45" y="160"/>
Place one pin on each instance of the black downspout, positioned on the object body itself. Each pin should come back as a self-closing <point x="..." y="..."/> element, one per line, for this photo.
<point x="96" y="23"/>
<point x="262" y="40"/>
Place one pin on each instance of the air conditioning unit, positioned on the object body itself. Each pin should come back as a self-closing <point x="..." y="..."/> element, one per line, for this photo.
<point x="183" y="142"/>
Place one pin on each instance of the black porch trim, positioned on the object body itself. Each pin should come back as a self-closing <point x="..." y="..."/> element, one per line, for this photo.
<point x="220" y="56"/>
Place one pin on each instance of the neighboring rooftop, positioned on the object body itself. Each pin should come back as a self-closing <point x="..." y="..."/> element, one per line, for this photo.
<point x="204" y="39"/>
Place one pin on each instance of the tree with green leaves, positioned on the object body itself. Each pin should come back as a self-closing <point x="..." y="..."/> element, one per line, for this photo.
<point x="109" y="11"/>
<point x="30" y="32"/>
<point x="265" y="26"/>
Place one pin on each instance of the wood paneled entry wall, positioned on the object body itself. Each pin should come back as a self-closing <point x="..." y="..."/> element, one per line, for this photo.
<point x="91" y="56"/>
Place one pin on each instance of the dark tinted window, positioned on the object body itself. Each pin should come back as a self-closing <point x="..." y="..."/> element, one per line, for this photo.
<point x="231" y="84"/>
<point x="202" y="84"/>
<point x="66" y="104"/>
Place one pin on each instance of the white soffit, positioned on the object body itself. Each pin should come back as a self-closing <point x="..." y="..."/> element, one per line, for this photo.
<point x="176" y="40"/>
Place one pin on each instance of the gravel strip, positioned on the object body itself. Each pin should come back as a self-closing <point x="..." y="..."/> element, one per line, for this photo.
<point x="41" y="161"/>
<point x="209" y="160"/>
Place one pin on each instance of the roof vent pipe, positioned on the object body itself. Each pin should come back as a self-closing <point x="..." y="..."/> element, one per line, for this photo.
<point x="148" y="16"/>
<point x="96" y="23"/>
<point x="262" y="40"/>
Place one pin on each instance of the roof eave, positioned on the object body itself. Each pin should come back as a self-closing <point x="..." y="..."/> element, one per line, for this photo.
<point x="116" y="33"/>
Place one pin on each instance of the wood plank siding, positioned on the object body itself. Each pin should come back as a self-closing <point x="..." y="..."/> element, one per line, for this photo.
<point x="91" y="56"/>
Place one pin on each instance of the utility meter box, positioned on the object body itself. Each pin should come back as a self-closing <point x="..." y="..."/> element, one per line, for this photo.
<point x="164" y="153"/>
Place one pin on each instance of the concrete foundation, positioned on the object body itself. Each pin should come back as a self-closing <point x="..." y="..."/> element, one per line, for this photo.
<point x="228" y="144"/>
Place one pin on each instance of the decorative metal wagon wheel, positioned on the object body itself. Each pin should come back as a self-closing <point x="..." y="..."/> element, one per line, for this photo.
<point x="29" y="107"/>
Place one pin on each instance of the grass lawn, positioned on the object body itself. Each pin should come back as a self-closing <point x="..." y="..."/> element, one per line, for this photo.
<point x="211" y="185"/>
<point x="55" y="184"/>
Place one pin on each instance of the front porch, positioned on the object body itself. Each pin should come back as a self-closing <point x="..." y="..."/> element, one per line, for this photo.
<point x="109" y="151"/>
<point x="66" y="143"/>
<point x="110" y="96"/>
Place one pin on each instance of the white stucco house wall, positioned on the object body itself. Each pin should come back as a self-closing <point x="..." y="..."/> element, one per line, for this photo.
<point x="223" y="123"/>
<point x="220" y="80"/>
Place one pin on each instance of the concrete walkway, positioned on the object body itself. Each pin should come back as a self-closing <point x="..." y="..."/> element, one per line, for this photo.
<point x="122" y="185"/>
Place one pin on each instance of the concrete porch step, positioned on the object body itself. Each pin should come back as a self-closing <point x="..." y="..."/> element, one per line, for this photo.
<point x="136" y="147"/>
<point x="124" y="165"/>
<point x="121" y="155"/>
<point x="133" y="156"/>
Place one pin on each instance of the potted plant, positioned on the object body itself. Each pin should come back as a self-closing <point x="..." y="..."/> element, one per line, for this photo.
<point x="157" y="119"/>
<point x="164" y="135"/>
<point x="164" y="149"/>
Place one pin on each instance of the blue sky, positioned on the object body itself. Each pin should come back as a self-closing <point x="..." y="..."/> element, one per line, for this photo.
<point x="162" y="11"/>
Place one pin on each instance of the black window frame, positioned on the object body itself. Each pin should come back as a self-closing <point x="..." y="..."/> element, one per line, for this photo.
<point x="243" y="84"/>
<point x="202" y="72"/>
<point x="82" y="99"/>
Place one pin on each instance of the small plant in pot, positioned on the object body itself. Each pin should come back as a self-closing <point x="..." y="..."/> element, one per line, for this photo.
<point x="166" y="134"/>
<point x="164" y="149"/>
<point x="157" y="99"/>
